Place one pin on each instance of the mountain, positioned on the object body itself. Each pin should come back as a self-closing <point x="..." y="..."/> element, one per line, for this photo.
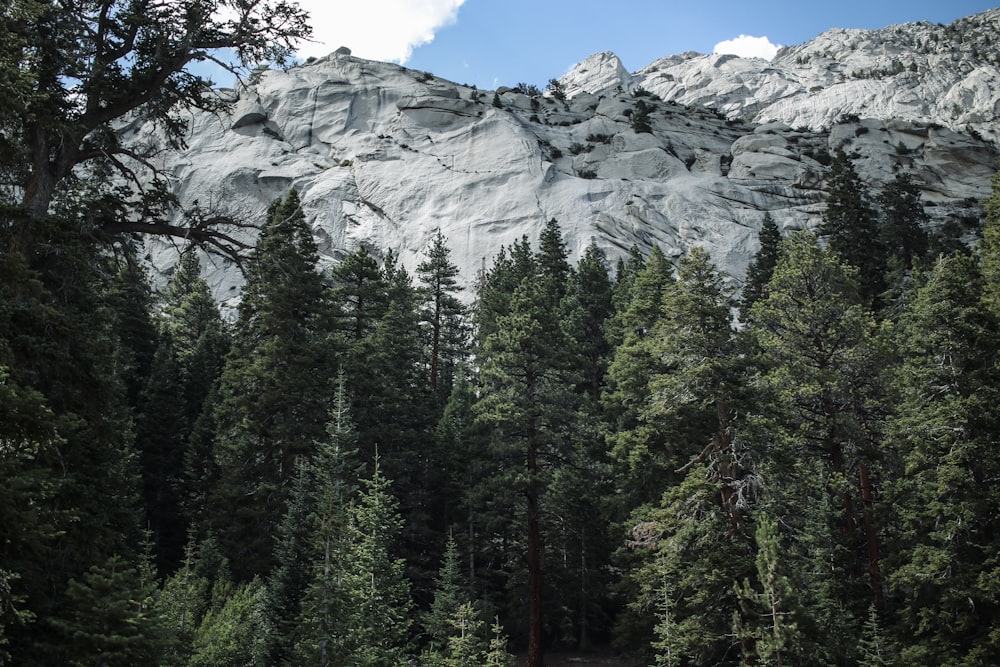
<point x="918" y="72"/>
<point x="690" y="150"/>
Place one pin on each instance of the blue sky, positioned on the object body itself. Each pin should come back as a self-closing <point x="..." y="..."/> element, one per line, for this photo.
<point x="504" y="42"/>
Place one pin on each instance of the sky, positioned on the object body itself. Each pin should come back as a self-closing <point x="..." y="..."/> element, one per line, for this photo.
<point x="491" y="43"/>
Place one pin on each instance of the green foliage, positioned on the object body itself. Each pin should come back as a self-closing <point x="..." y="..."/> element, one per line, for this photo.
<point x="819" y="375"/>
<point x="851" y="228"/>
<point x="227" y="633"/>
<point x="640" y="118"/>
<point x="556" y="89"/>
<point x="112" y="615"/>
<point x="774" y="604"/>
<point x="902" y="232"/>
<point x="641" y="466"/>
<point x="81" y="69"/>
<point x="761" y="266"/>
<point x="944" y="532"/>
<point x="442" y="315"/>
<point x="448" y="596"/>
<point x="378" y="591"/>
<point x="275" y="389"/>
<point x="990" y="248"/>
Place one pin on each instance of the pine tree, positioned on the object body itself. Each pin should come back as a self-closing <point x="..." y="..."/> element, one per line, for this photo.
<point x="588" y="308"/>
<point x="636" y="446"/>
<point x="378" y="591"/>
<point x="324" y="618"/>
<point x="161" y="434"/>
<point x="360" y="294"/>
<point x="442" y="315"/>
<point x="875" y="648"/>
<point x="498" y="655"/>
<point x="227" y="634"/>
<point x="552" y="261"/>
<point x="902" y="232"/>
<point x="449" y="594"/>
<point x="69" y="465"/>
<point x="820" y="377"/>
<point x="944" y="533"/>
<point x="850" y="225"/>
<point x="626" y="272"/>
<point x="112" y="616"/>
<point x="761" y="266"/>
<point x="200" y="341"/>
<point x="989" y="248"/>
<point x="776" y="637"/>
<point x="274" y="391"/>
<point x="528" y="402"/>
<point x="198" y="334"/>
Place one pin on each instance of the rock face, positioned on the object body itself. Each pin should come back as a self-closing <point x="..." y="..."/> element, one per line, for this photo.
<point x="920" y="72"/>
<point x="384" y="156"/>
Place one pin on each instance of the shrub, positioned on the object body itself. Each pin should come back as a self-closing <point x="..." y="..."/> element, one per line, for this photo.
<point x="527" y="89"/>
<point x="556" y="90"/>
<point x="586" y="173"/>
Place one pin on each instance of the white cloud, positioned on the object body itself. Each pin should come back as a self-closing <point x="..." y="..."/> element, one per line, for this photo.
<point x="748" y="47"/>
<point x="375" y="29"/>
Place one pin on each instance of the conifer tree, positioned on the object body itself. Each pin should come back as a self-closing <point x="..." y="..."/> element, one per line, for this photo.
<point x="282" y="351"/>
<point x="498" y="655"/>
<point x="449" y="594"/>
<point x="761" y="266"/>
<point x="820" y="377"/>
<point x="197" y="332"/>
<point x="989" y="249"/>
<point x="636" y="445"/>
<point x="944" y="529"/>
<point x="776" y="637"/>
<point x="322" y="635"/>
<point x="626" y="271"/>
<point x="113" y="617"/>
<point x="360" y="294"/>
<point x="199" y="340"/>
<point x="161" y="434"/>
<point x="442" y="314"/>
<point x="69" y="456"/>
<point x="588" y="308"/>
<point x="875" y="649"/>
<point x="378" y="591"/>
<point x="903" y="217"/>
<point x="528" y="402"/>
<point x="552" y="261"/>
<point x="227" y="634"/>
<point x="850" y="225"/>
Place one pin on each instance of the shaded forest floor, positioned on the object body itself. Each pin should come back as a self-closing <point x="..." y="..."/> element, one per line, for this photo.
<point x="579" y="659"/>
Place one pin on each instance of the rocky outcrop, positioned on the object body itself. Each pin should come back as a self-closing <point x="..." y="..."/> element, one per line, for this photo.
<point x="385" y="156"/>
<point x="920" y="72"/>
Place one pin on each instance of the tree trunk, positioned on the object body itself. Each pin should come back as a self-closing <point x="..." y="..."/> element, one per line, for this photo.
<point x="727" y="470"/>
<point x="874" y="568"/>
<point x="535" y="558"/>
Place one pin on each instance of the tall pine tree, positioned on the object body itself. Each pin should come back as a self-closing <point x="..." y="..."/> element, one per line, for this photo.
<point x="275" y="389"/>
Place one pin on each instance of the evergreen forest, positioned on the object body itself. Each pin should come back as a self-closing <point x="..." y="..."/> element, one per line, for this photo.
<point x="368" y="466"/>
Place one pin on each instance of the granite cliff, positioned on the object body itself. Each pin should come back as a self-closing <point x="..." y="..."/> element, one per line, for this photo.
<point x="690" y="150"/>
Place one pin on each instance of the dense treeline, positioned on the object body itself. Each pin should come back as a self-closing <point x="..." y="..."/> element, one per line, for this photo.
<point x="363" y="470"/>
<point x="369" y="468"/>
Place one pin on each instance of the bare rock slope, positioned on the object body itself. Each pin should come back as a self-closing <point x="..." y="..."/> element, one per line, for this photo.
<point x="692" y="150"/>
